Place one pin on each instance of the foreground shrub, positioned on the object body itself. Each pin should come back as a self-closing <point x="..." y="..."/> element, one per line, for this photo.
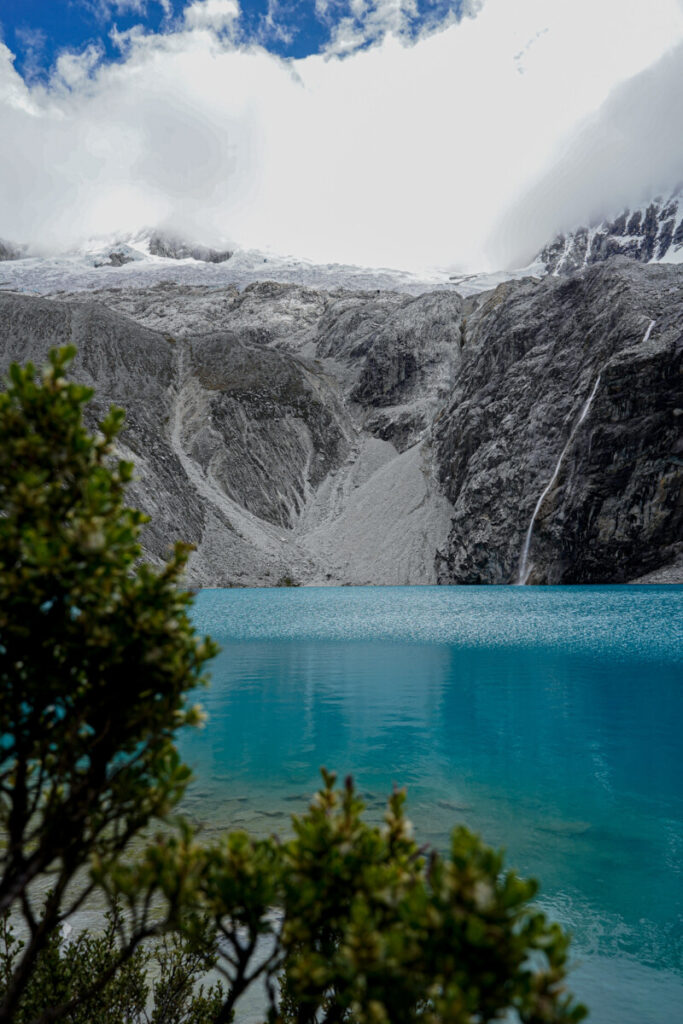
<point x="345" y="922"/>
<point x="353" y="922"/>
<point x="159" y="984"/>
<point x="97" y="657"/>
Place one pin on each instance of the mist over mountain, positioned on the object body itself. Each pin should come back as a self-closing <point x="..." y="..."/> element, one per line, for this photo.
<point x="558" y="114"/>
<point x="628" y="152"/>
<point x="375" y="428"/>
<point x="652" y="233"/>
<point x="402" y="308"/>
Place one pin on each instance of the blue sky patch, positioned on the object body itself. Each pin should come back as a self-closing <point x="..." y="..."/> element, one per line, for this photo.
<point x="37" y="31"/>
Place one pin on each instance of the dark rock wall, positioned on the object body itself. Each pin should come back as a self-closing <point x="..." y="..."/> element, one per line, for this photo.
<point x="274" y="428"/>
<point x="531" y="360"/>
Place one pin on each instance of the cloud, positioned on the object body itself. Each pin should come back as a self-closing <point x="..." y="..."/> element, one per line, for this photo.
<point x="214" y="14"/>
<point x="628" y="152"/>
<point x="278" y="24"/>
<point x="15" y="96"/>
<point x="72" y="69"/>
<point x="104" y="10"/>
<point x="33" y="42"/>
<point x="356" y="24"/>
<point x="397" y="155"/>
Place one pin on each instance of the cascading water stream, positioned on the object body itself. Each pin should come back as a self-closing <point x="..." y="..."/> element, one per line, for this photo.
<point x="523" y="562"/>
<point x="523" y="570"/>
<point x="648" y="332"/>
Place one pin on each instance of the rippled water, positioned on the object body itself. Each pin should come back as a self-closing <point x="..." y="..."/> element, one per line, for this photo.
<point x="547" y="719"/>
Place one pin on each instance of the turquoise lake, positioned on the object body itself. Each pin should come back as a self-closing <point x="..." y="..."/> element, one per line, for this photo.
<point x="549" y="720"/>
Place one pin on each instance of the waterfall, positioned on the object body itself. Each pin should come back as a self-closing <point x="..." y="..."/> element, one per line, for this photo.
<point x="648" y="332"/>
<point x="524" y="558"/>
<point x="523" y="571"/>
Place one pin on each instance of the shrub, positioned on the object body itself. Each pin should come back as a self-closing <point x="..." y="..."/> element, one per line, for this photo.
<point x="97" y="657"/>
<point x="345" y="922"/>
<point x="159" y="984"/>
<point x="368" y="926"/>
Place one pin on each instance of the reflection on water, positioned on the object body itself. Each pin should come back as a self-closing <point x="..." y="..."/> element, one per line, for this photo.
<point x="548" y="719"/>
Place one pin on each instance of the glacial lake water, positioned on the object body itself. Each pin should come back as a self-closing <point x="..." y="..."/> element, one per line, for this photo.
<point x="549" y="720"/>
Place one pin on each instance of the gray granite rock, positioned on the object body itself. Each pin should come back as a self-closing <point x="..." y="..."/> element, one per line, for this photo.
<point x="177" y="249"/>
<point x="117" y="258"/>
<point x="533" y="355"/>
<point x="377" y="437"/>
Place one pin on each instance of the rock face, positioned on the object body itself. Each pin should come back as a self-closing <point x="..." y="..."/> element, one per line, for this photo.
<point x="533" y="356"/>
<point x="652" y="233"/>
<point x="117" y="258"/>
<point x="246" y="439"/>
<point x="176" y="249"/>
<point x="376" y="437"/>
<point x="9" y="251"/>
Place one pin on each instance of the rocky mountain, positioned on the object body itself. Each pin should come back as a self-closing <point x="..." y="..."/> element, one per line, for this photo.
<point x="247" y="438"/>
<point x="531" y="432"/>
<point x="650" y="233"/>
<point x="561" y="448"/>
<point x="121" y="251"/>
<point x="175" y="248"/>
<point x="128" y="262"/>
<point x="10" y="251"/>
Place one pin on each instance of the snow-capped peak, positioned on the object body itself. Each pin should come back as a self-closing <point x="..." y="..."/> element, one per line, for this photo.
<point x="651" y="233"/>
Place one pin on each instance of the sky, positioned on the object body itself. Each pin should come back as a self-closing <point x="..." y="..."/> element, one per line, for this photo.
<point x="401" y="133"/>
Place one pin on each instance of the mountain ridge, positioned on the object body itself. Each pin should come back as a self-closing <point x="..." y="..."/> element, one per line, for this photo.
<point x="372" y="436"/>
<point x="651" y="232"/>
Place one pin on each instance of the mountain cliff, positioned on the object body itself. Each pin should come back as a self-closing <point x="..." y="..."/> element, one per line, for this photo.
<point x="175" y="248"/>
<point x="567" y="412"/>
<point x="10" y="251"/>
<point x="527" y="433"/>
<point x="248" y="439"/>
<point x="650" y="233"/>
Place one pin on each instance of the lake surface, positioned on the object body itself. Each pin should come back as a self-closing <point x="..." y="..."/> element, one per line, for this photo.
<point x="549" y="720"/>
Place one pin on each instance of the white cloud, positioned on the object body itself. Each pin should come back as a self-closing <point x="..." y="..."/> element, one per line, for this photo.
<point x="215" y="14"/>
<point x="358" y="23"/>
<point x="107" y="8"/>
<point x="33" y="42"/>
<point x="277" y="24"/>
<point x="629" y="151"/>
<point x="397" y="155"/>
<point x="128" y="6"/>
<point x="15" y="95"/>
<point x="74" y="68"/>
